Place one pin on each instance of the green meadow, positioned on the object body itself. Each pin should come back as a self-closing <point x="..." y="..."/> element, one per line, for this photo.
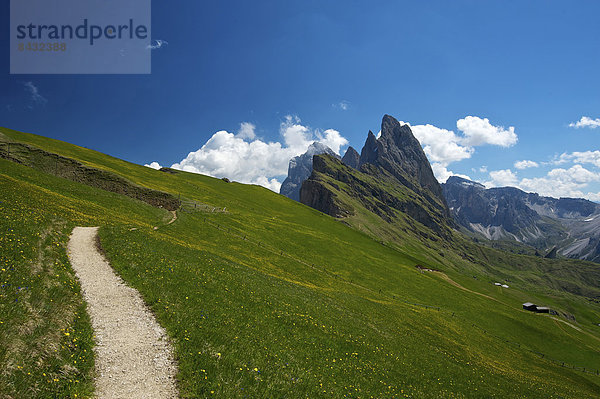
<point x="263" y="297"/>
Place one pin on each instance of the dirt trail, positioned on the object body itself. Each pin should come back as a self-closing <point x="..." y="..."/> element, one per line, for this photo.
<point x="174" y="218"/>
<point x="133" y="356"/>
<point x="557" y="320"/>
<point x="454" y="283"/>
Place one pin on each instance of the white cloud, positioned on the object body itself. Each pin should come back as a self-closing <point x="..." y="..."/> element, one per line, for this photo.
<point x="272" y="184"/>
<point x="246" y="131"/>
<point x="591" y="157"/>
<point x="562" y="182"/>
<point x="343" y="105"/>
<point x="559" y="182"/>
<point x="477" y="131"/>
<point x="332" y="139"/>
<point x="526" y="164"/>
<point x="246" y="159"/>
<point x="502" y="178"/>
<point x="153" y="165"/>
<point x="441" y="145"/>
<point x="444" y="147"/>
<point x="483" y="169"/>
<point x="36" y="97"/>
<point x="577" y="174"/>
<point x="294" y="134"/>
<point x="157" y="44"/>
<point x="586" y="122"/>
<point x="442" y="173"/>
<point x="593" y="197"/>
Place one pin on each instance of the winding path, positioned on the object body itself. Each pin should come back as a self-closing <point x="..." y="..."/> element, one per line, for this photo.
<point x="133" y="356"/>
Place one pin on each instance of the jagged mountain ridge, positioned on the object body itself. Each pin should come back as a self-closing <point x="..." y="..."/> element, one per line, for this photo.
<point x="507" y="213"/>
<point x="398" y="152"/>
<point x="393" y="180"/>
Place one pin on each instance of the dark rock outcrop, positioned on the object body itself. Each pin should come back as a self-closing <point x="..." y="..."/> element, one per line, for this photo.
<point x="300" y="168"/>
<point x="351" y="158"/>
<point x="71" y="169"/>
<point x="552" y="254"/>
<point x="318" y="196"/>
<point x="369" y="151"/>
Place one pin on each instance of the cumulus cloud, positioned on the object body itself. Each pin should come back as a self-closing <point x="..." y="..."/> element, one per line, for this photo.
<point x="586" y="121"/>
<point x="593" y="196"/>
<point x="441" y="145"/>
<point x="35" y="96"/>
<point x="246" y="131"/>
<point x="562" y="182"/>
<point x="526" y="164"/>
<point x="442" y="173"/>
<point x="153" y="165"/>
<point x="502" y="178"/>
<point x="332" y="139"/>
<point x="591" y="157"/>
<point x="477" y="131"/>
<point x="243" y="157"/>
<point x="157" y="44"/>
<point x="575" y="181"/>
<point x="444" y="147"/>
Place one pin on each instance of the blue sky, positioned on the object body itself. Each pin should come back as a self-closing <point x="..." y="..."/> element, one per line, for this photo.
<point x="275" y="75"/>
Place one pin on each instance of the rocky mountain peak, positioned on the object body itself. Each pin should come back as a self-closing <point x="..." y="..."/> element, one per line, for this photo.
<point x="393" y="180"/>
<point x="368" y="153"/>
<point x="318" y="148"/>
<point x="351" y="158"/>
<point x="399" y="153"/>
<point x="300" y="168"/>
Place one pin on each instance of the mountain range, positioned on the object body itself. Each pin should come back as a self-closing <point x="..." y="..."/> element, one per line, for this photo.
<point x="393" y="179"/>
<point x="569" y="226"/>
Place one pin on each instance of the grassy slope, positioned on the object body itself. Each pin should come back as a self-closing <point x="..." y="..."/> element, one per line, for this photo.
<point x="45" y="334"/>
<point x="249" y="320"/>
<point x="456" y="254"/>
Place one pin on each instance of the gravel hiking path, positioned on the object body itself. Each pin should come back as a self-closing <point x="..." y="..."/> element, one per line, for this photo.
<point x="174" y="218"/>
<point x="133" y="356"/>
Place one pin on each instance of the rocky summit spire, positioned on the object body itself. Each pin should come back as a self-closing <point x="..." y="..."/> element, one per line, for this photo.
<point x="399" y="153"/>
<point x="369" y="150"/>
<point x="394" y="181"/>
<point x="351" y="158"/>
